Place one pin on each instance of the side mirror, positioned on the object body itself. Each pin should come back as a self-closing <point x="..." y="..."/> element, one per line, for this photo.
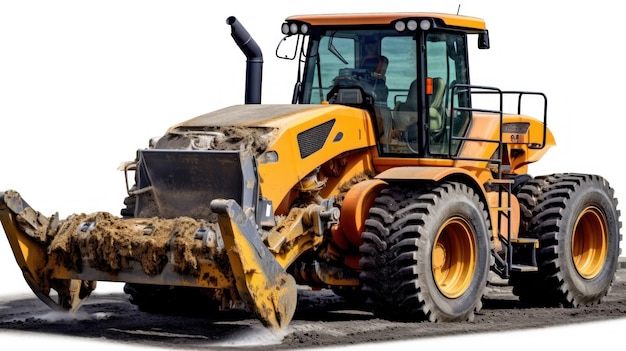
<point x="288" y="47"/>
<point x="483" y="40"/>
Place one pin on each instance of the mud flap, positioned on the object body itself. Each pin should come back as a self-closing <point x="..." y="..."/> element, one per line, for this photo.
<point x="260" y="280"/>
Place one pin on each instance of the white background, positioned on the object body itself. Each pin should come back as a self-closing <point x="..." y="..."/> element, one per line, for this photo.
<point x="84" y="84"/>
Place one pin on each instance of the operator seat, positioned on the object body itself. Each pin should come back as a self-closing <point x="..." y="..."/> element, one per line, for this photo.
<point x="435" y="110"/>
<point x="406" y="112"/>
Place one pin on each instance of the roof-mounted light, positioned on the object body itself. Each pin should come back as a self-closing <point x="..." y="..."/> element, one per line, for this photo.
<point x="294" y="28"/>
<point x="304" y="28"/>
<point x="400" y="26"/>
<point x="413" y="25"/>
<point x="285" y="28"/>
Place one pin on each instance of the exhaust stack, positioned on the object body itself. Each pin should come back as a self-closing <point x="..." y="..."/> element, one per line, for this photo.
<point x="254" y="63"/>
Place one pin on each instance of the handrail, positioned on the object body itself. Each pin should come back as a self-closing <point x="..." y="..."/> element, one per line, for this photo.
<point x="477" y="89"/>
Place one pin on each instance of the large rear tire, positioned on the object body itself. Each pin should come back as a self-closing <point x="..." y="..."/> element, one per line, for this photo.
<point x="576" y="220"/>
<point x="426" y="253"/>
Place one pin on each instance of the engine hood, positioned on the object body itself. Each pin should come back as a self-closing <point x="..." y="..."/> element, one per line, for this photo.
<point x="251" y="115"/>
<point x="283" y="127"/>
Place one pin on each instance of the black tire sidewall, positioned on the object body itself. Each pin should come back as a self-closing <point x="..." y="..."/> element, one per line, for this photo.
<point x="596" y="287"/>
<point x="461" y="204"/>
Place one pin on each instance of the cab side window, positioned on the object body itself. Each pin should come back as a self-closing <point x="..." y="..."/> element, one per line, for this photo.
<point x="446" y="66"/>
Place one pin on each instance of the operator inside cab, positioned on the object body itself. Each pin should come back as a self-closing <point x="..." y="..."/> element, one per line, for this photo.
<point x="370" y="75"/>
<point x="376" y="64"/>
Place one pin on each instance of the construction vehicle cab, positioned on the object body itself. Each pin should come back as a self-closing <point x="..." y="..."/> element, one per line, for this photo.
<point x="425" y="58"/>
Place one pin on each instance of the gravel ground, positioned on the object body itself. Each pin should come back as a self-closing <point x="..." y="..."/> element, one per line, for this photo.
<point x="322" y="320"/>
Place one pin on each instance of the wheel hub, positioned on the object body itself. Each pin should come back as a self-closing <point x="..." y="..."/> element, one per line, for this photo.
<point x="590" y="242"/>
<point x="454" y="257"/>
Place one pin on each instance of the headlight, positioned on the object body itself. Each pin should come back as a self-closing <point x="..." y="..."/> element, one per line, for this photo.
<point x="294" y="28"/>
<point x="413" y="25"/>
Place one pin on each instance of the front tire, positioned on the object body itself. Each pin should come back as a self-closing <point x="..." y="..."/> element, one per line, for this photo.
<point x="426" y="253"/>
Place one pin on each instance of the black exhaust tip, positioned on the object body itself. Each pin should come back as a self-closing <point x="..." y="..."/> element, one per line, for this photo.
<point x="254" y="63"/>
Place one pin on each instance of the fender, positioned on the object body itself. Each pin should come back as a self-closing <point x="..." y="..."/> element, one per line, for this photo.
<point x="432" y="173"/>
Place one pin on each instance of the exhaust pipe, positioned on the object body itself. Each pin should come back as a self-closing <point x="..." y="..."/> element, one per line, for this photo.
<point x="254" y="63"/>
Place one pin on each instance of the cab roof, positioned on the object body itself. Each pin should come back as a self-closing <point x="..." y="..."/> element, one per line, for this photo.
<point x="471" y="23"/>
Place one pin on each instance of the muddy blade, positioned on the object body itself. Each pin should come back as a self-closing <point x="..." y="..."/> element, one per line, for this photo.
<point x="27" y="231"/>
<point x="261" y="281"/>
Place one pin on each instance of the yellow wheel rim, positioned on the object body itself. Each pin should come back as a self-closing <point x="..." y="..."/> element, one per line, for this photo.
<point x="590" y="242"/>
<point x="454" y="257"/>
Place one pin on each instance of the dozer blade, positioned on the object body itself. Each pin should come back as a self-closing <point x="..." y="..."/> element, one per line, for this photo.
<point x="26" y="230"/>
<point x="260" y="280"/>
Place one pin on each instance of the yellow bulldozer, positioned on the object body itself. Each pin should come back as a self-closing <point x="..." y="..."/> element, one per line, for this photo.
<point x="389" y="179"/>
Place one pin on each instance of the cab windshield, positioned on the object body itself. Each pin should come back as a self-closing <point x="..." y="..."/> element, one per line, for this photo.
<point x="385" y="64"/>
